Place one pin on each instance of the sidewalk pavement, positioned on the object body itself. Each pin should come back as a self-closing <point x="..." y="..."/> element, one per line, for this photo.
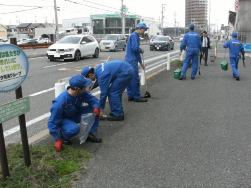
<point x="191" y="134"/>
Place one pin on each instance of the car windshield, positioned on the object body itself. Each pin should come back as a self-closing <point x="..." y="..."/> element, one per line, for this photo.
<point x="111" y="37"/>
<point x="69" y="40"/>
<point x="161" y="39"/>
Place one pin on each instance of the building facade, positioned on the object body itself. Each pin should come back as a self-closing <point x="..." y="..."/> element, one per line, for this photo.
<point x="112" y="23"/>
<point x="3" y="32"/>
<point x="83" y="24"/>
<point x="196" y="13"/>
<point x="243" y="19"/>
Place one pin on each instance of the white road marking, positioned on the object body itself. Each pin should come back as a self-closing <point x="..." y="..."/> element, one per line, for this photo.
<point x="29" y="123"/>
<point x="36" y="57"/>
<point x="41" y="92"/>
<point x="49" y="66"/>
<point x="64" y="69"/>
<point x="33" y="121"/>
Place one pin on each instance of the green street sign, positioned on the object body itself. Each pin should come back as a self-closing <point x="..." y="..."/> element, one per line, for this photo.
<point x="14" y="109"/>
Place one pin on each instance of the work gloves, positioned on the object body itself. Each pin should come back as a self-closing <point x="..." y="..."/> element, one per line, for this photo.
<point x="58" y="145"/>
<point x="96" y="111"/>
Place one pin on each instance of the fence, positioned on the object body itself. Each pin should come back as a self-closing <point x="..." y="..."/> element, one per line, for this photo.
<point x="153" y="65"/>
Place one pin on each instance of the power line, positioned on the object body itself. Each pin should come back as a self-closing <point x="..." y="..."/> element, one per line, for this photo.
<point x="17" y="5"/>
<point x="101" y="5"/>
<point x="21" y="10"/>
<point x="74" y="2"/>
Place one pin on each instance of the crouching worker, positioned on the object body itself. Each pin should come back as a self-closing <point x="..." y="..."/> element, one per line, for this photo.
<point x="66" y="111"/>
<point x="113" y="77"/>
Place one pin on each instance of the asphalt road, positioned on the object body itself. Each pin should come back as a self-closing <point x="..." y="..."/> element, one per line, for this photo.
<point x="191" y="134"/>
<point x="42" y="76"/>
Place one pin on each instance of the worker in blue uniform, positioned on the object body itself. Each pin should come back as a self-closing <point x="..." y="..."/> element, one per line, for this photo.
<point x="133" y="57"/>
<point x="113" y="77"/>
<point x="66" y="111"/>
<point x="235" y="49"/>
<point x="192" y="44"/>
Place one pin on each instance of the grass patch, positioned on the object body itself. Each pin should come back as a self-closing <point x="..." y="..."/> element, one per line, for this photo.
<point x="48" y="169"/>
<point x="176" y="63"/>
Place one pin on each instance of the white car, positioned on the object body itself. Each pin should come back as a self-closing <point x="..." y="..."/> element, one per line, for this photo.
<point x="74" y="47"/>
<point x="113" y="42"/>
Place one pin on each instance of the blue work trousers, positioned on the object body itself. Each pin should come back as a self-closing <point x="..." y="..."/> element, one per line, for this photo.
<point x="133" y="89"/>
<point x="116" y="90"/>
<point x="191" y="55"/>
<point x="70" y="127"/>
<point x="234" y="64"/>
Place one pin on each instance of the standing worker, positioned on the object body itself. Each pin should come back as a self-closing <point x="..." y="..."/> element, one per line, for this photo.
<point x="113" y="77"/>
<point x="133" y="57"/>
<point x="191" y="43"/>
<point x="66" y="111"/>
<point x="235" y="48"/>
<point x="205" y="45"/>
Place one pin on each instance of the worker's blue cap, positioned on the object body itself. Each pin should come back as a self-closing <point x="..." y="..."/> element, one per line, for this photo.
<point x="191" y="27"/>
<point x="79" y="81"/>
<point x="86" y="70"/>
<point x="234" y="35"/>
<point x="142" y="25"/>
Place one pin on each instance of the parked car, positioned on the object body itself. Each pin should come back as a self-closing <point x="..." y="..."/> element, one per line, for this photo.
<point x="74" y="47"/>
<point x="113" y="42"/>
<point x="161" y="43"/>
<point x="44" y="41"/>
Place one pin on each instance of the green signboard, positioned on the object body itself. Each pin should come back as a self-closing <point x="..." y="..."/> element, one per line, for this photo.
<point x="14" y="109"/>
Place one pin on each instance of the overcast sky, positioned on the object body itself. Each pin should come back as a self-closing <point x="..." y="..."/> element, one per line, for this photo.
<point x="147" y="8"/>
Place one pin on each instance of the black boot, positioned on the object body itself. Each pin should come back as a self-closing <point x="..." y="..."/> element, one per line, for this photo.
<point x="140" y="100"/>
<point x="111" y="117"/>
<point x="93" y="138"/>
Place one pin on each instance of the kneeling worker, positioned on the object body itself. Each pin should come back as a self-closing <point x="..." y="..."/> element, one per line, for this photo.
<point x="113" y="77"/>
<point x="66" y="111"/>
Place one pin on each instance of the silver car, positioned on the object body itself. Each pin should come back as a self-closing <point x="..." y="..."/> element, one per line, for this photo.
<point x="113" y="42"/>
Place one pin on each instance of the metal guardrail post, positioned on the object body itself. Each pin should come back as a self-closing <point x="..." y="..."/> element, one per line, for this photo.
<point x="168" y="62"/>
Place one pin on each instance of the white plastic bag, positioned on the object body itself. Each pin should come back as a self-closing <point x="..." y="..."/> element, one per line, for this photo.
<point x="87" y="120"/>
<point x="182" y="55"/>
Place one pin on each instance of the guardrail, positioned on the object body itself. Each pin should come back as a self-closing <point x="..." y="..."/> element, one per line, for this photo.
<point x="154" y="64"/>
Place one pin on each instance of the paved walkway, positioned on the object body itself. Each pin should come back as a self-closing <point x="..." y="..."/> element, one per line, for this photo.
<point x="191" y="134"/>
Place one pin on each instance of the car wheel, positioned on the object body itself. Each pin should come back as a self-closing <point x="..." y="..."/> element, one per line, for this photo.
<point x="96" y="53"/>
<point x="168" y="48"/>
<point x="77" y="55"/>
<point x="51" y="59"/>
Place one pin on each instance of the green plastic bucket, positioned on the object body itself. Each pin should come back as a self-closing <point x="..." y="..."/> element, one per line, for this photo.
<point x="224" y="65"/>
<point x="177" y="74"/>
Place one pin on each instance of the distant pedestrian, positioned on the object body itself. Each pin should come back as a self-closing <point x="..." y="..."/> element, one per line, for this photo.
<point x="235" y="50"/>
<point x="205" y="45"/>
<point x="192" y="44"/>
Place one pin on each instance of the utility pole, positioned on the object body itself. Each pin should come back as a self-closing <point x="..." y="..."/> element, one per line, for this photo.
<point x="56" y="19"/>
<point x="123" y="16"/>
<point x="162" y="18"/>
<point x="209" y="17"/>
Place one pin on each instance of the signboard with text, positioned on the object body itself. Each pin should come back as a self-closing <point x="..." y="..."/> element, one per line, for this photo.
<point x="14" y="67"/>
<point x="14" y="109"/>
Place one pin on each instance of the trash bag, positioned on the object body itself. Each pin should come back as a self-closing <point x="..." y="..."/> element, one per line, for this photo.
<point x="182" y="55"/>
<point x="177" y="74"/>
<point x="87" y="120"/>
<point x="224" y="65"/>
